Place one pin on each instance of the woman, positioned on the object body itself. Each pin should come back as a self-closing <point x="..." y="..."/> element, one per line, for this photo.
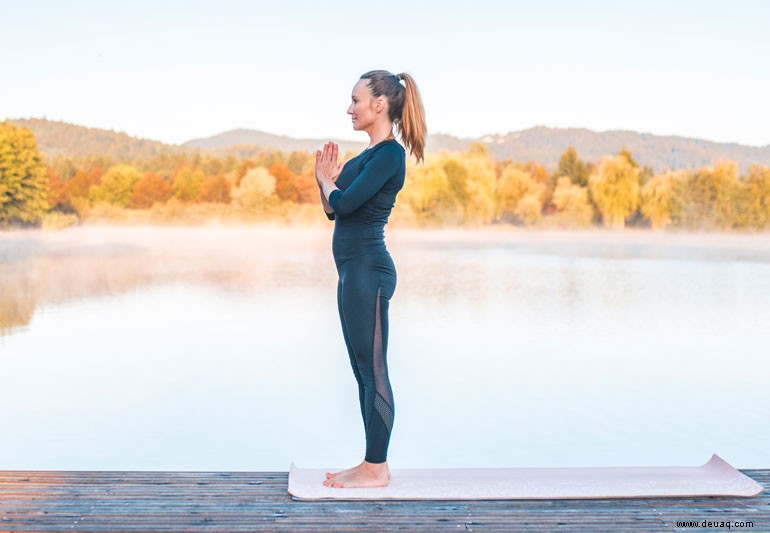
<point x="359" y="196"/>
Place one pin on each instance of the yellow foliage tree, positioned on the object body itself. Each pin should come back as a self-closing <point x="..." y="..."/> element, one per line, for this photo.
<point x="659" y="198"/>
<point x="758" y="194"/>
<point x="711" y="195"/>
<point x="572" y="204"/>
<point x="256" y="190"/>
<point x="528" y="209"/>
<point x="427" y="192"/>
<point x="115" y="187"/>
<point x="514" y="185"/>
<point x="23" y="177"/>
<point x="614" y="188"/>
<point x="187" y="182"/>
<point x="478" y="205"/>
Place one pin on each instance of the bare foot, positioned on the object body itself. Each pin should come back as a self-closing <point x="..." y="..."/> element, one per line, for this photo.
<point x="367" y="475"/>
<point x="337" y="475"/>
<point x="329" y="475"/>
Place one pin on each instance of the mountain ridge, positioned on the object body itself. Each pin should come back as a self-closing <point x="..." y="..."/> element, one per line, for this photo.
<point x="540" y="143"/>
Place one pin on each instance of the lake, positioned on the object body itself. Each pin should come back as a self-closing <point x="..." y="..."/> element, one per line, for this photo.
<point x="220" y="348"/>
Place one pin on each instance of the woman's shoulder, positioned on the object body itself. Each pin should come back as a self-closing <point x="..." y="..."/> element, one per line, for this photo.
<point x="392" y="148"/>
<point x="385" y="150"/>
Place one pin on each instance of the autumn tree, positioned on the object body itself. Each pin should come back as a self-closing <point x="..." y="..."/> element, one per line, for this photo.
<point x="458" y="194"/>
<point x="57" y="191"/>
<point x="572" y="204"/>
<point x="285" y="183"/>
<point x="187" y="181"/>
<point x="428" y="195"/>
<point x="116" y="185"/>
<point x="149" y="189"/>
<point x="79" y="185"/>
<point x="476" y="198"/>
<point x="711" y="193"/>
<point x="256" y="190"/>
<point x="758" y="196"/>
<point x="614" y="188"/>
<point x="23" y="178"/>
<point x="517" y="186"/>
<point x="660" y="198"/>
<point x="306" y="182"/>
<point x="215" y="189"/>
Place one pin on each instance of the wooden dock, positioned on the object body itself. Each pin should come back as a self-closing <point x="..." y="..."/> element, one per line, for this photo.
<point x="258" y="501"/>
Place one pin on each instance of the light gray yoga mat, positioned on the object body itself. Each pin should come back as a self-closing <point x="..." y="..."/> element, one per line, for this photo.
<point x="714" y="478"/>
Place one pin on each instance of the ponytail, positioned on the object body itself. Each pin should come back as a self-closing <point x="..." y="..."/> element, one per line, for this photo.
<point x="405" y="107"/>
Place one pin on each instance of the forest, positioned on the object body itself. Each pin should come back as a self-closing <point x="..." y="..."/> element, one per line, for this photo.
<point x="450" y="188"/>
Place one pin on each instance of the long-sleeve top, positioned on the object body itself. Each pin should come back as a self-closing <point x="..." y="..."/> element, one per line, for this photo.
<point x="366" y="194"/>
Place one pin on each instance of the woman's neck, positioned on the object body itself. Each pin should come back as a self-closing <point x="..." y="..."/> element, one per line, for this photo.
<point x="376" y="138"/>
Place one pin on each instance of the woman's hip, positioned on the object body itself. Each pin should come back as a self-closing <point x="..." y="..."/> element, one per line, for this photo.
<point x="376" y="269"/>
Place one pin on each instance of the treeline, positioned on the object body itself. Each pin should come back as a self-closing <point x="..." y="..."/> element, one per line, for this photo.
<point x="452" y="187"/>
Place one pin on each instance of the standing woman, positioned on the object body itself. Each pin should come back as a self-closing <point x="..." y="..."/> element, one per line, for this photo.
<point x="359" y="195"/>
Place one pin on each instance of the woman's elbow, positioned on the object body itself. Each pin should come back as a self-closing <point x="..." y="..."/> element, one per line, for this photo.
<point x="339" y="205"/>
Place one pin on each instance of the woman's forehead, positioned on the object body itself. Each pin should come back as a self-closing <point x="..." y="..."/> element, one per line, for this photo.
<point x="360" y="89"/>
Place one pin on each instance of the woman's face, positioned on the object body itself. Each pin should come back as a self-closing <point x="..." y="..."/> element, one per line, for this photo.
<point x="364" y="110"/>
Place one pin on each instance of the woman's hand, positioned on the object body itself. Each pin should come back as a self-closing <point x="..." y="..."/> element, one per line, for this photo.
<point x="326" y="166"/>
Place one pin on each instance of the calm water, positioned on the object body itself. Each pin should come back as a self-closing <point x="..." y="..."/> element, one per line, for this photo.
<point x="221" y="349"/>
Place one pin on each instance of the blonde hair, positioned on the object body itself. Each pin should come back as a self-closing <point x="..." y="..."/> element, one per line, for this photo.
<point x="405" y="107"/>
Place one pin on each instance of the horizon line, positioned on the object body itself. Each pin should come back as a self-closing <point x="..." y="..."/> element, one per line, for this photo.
<point x="479" y="138"/>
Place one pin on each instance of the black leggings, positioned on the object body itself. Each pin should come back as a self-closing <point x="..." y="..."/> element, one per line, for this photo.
<point x="366" y="284"/>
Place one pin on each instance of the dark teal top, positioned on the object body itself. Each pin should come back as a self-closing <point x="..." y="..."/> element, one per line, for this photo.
<point x="368" y="185"/>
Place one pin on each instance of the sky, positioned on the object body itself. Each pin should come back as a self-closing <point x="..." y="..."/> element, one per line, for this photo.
<point x="173" y="71"/>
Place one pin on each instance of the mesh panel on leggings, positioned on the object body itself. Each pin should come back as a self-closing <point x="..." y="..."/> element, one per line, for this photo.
<point x="380" y="372"/>
<point x="384" y="409"/>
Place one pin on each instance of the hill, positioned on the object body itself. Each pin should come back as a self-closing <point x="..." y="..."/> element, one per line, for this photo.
<point x="540" y="143"/>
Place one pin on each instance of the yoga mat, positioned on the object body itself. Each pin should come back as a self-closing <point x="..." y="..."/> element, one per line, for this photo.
<point x="714" y="478"/>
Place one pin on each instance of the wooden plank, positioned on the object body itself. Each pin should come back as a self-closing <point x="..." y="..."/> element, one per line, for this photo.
<point x="258" y="501"/>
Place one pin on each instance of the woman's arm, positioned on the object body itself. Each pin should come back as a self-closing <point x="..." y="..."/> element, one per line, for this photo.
<point x="383" y="165"/>
<point x="327" y="208"/>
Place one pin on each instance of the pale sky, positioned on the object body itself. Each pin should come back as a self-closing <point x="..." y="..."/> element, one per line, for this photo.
<point x="173" y="71"/>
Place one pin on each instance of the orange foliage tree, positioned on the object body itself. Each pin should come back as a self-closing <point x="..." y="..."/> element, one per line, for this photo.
<point x="285" y="182"/>
<point x="215" y="189"/>
<point x="57" y="191"/>
<point x="148" y="190"/>
<point x="81" y="182"/>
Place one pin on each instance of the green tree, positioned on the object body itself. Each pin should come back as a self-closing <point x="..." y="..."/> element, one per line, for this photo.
<point x="570" y="165"/>
<point x="614" y="188"/>
<point x="23" y="176"/>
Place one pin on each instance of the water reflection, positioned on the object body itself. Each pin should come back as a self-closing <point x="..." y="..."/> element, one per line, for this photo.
<point x="220" y="348"/>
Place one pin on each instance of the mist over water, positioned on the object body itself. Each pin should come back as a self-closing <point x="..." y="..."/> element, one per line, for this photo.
<point x="213" y="348"/>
